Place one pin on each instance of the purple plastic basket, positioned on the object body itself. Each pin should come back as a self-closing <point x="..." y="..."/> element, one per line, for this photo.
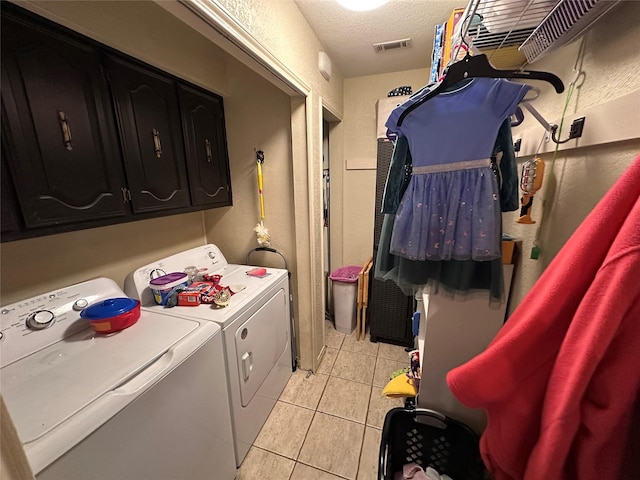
<point x="348" y="274"/>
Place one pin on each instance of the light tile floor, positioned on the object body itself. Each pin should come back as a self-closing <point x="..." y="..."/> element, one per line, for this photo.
<point x="327" y="426"/>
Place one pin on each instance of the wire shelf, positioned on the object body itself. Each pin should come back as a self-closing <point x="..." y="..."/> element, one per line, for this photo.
<point x="568" y="20"/>
<point x="515" y="32"/>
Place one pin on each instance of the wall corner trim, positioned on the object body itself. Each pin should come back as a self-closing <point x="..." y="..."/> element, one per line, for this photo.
<point x="224" y="23"/>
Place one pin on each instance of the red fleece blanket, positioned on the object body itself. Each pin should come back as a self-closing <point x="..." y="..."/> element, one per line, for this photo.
<point x="559" y="381"/>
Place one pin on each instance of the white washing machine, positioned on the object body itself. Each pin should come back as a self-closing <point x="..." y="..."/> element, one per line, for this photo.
<point x="126" y="405"/>
<point x="256" y="328"/>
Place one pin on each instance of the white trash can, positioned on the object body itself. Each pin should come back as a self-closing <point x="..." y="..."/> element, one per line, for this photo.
<point x="345" y="295"/>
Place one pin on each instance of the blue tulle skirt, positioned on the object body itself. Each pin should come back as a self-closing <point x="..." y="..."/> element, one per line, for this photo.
<point x="449" y="215"/>
<point x="453" y="279"/>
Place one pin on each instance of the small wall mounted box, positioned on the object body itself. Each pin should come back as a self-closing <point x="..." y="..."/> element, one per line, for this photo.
<point x="324" y="65"/>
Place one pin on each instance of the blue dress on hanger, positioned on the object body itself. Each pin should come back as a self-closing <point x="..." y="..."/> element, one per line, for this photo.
<point x="452" y="278"/>
<point x="451" y="209"/>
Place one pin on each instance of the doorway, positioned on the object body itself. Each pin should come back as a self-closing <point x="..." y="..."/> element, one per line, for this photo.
<point x="326" y="202"/>
<point x="332" y="186"/>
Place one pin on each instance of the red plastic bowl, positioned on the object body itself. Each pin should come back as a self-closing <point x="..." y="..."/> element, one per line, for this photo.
<point x="103" y="321"/>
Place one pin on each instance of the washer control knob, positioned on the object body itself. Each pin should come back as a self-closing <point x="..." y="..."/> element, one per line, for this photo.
<point x="80" y="304"/>
<point x="40" y="319"/>
<point x="1" y="335"/>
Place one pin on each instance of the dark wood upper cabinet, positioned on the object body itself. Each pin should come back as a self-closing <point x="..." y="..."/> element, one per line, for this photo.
<point x="10" y="221"/>
<point x="93" y="137"/>
<point x="65" y="161"/>
<point x="148" y="115"/>
<point x="205" y="143"/>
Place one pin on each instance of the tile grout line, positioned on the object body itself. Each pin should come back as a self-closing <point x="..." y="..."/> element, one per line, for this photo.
<point x="320" y="470"/>
<point x="272" y="453"/>
<point x="321" y="393"/>
<point x="345" y="380"/>
<point x="295" y="405"/>
<point x="338" y="376"/>
<point x="350" y="380"/>
<point x="302" y="444"/>
<point x="346" y="419"/>
<point x="361" y="449"/>
<point x="364" y="431"/>
<point x="370" y="385"/>
<point x="364" y="424"/>
<point x="315" y="411"/>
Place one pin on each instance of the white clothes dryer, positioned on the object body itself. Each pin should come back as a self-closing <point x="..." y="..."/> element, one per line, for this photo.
<point x="256" y="329"/>
<point x="126" y="405"/>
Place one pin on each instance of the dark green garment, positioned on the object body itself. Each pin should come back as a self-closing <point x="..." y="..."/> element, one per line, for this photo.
<point x="509" y="198"/>
<point x="398" y="176"/>
<point x="452" y="278"/>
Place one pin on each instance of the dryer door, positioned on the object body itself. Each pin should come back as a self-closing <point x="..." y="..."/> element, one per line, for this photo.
<point x="260" y="342"/>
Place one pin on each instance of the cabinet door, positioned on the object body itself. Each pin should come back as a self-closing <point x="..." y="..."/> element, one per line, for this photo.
<point x="56" y="104"/>
<point x="205" y="143"/>
<point x="10" y="221"/>
<point x="149" y="121"/>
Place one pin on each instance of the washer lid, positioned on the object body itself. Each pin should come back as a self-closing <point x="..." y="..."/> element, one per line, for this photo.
<point x="232" y="275"/>
<point x="48" y="387"/>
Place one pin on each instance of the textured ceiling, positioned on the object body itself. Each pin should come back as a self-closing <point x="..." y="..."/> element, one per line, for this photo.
<point x="348" y="36"/>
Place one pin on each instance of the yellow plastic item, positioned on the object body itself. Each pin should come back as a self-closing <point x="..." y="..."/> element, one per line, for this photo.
<point x="400" y="387"/>
<point x="262" y="232"/>
<point x="260" y="190"/>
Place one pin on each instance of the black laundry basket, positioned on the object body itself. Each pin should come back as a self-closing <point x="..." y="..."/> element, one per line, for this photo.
<point x="430" y="439"/>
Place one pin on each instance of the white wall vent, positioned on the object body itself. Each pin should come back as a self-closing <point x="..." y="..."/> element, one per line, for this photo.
<point x="392" y="45"/>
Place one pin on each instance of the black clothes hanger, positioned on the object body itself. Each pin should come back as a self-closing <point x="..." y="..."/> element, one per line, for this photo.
<point x="479" y="66"/>
<point x="519" y="117"/>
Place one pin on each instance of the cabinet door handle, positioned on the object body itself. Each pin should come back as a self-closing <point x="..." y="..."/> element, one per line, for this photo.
<point x="207" y="145"/>
<point x="156" y="143"/>
<point x="66" y="130"/>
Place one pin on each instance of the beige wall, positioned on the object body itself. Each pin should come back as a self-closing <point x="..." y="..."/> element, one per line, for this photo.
<point x="359" y="186"/>
<point x="280" y="28"/>
<point x="35" y="266"/>
<point x="258" y="117"/>
<point x="584" y="175"/>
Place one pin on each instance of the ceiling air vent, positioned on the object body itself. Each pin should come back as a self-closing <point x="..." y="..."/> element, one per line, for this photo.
<point x="392" y="45"/>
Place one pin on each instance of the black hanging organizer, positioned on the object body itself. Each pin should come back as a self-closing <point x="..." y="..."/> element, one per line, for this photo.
<point x="390" y="310"/>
